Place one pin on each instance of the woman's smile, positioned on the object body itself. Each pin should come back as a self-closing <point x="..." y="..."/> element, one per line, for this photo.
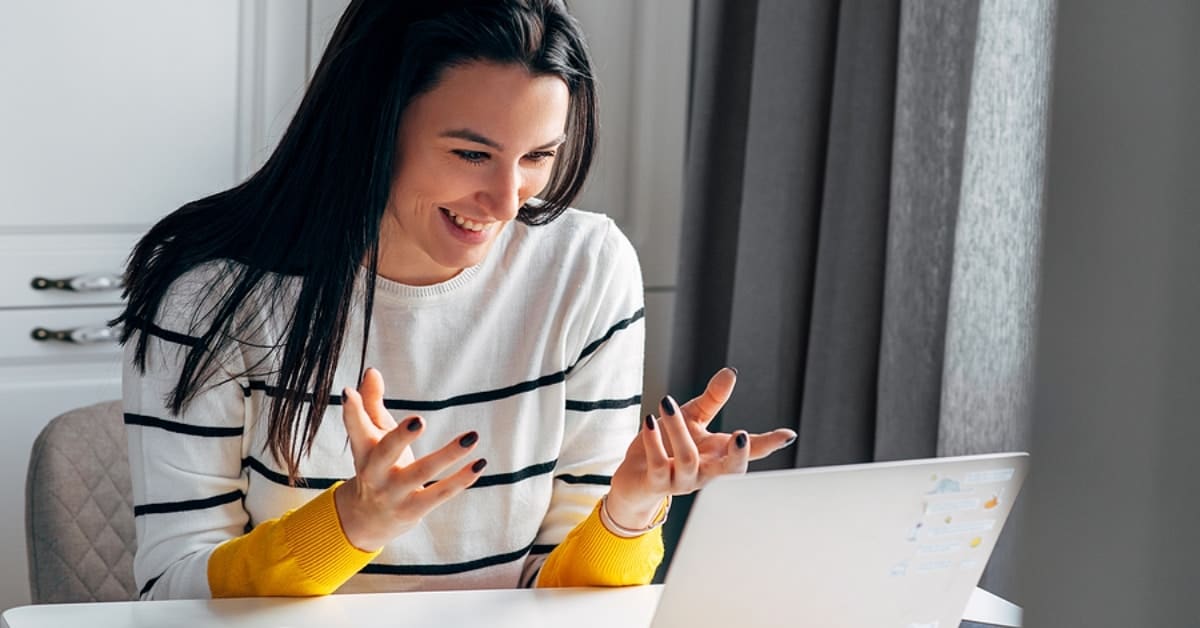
<point x="466" y="230"/>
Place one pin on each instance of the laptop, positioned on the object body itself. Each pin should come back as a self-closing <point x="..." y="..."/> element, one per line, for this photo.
<point x="881" y="545"/>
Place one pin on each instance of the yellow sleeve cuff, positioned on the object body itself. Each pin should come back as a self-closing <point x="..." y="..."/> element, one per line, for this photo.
<point x="592" y="556"/>
<point x="304" y="552"/>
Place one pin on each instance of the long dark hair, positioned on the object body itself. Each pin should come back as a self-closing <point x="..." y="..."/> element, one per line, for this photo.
<point x="313" y="210"/>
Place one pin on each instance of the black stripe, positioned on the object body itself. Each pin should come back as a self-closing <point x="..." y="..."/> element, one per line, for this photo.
<point x="591" y="348"/>
<point x="190" y="504"/>
<point x="479" y="397"/>
<point x="149" y="585"/>
<point x="604" y="404"/>
<point x="532" y="470"/>
<point x="447" y="569"/>
<point x="164" y="334"/>
<point x="602" y="480"/>
<point x="542" y="549"/>
<point x="181" y="428"/>
<point x="276" y="391"/>
<point x="516" y="476"/>
<point x="279" y="478"/>
<point x="416" y="405"/>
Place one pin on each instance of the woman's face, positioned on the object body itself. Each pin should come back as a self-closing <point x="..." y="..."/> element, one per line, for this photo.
<point x="471" y="151"/>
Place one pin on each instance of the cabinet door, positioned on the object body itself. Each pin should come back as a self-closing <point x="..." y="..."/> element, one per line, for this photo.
<point x="115" y="112"/>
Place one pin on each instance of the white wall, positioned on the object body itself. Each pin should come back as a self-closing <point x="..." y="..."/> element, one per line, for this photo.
<point x="642" y="53"/>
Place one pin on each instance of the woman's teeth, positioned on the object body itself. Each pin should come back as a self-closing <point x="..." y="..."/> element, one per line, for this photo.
<point x="469" y="225"/>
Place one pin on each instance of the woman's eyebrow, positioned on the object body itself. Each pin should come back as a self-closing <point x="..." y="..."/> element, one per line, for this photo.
<point x="479" y="138"/>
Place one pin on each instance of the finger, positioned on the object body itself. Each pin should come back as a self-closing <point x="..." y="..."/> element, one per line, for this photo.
<point x="763" y="445"/>
<point x="363" y="434"/>
<point x="658" y="463"/>
<point x="372" y="389"/>
<point x="702" y="409"/>
<point x="426" y="468"/>
<point x="686" y="455"/>
<point x="447" y="488"/>
<point x="386" y="455"/>
<point x="737" y="458"/>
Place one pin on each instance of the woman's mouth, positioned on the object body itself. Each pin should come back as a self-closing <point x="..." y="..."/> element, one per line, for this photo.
<point x="465" y="230"/>
<point x="466" y="224"/>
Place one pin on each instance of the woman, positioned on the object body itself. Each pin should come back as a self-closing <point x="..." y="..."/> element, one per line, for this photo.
<point x="396" y="227"/>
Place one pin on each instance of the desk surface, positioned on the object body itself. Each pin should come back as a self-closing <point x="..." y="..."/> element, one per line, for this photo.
<point x="578" y="608"/>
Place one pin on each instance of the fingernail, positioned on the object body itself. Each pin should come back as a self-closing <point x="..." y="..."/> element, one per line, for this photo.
<point x="479" y="465"/>
<point x="650" y="422"/>
<point x="790" y="441"/>
<point x="740" y="439"/>
<point x="468" y="439"/>
<point x="668" y="405"/>
<point x="414" y="424"/>
<point x="735" y="371"/>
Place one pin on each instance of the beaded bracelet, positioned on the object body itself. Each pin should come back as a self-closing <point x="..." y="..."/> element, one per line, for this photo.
<point x="629" y="533"/>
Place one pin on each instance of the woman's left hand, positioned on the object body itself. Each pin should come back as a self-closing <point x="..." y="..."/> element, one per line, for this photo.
<point x="677" y="454"/>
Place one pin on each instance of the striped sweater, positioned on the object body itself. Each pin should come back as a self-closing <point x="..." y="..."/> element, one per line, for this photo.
<point x="539" y="349"/>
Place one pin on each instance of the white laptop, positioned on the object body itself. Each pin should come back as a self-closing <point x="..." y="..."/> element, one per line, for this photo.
<point x="881" y="545"/>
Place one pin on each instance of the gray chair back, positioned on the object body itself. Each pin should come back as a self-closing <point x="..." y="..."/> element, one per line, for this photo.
<point x="79" y="509"/>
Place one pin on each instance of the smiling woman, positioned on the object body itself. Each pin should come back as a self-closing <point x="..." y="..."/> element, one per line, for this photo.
<point x="413" y="218"/>
<point x="473" y="151"/>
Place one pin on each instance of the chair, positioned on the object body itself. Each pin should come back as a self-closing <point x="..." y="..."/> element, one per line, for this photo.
<point x="79" y="509"/>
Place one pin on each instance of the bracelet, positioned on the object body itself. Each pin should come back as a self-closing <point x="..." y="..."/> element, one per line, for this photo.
<point x="629" y="533"/>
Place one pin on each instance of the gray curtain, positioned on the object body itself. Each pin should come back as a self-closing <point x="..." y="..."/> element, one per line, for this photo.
<point x="862" y="209"/>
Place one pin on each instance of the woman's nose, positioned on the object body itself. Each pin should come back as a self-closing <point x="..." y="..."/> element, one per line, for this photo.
<point x="502" y="196"/>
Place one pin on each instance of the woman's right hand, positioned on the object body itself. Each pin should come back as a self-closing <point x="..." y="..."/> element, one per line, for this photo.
<point x="388" y="494"/>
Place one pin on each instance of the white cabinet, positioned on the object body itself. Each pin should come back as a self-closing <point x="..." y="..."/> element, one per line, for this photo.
<point x="113" y="114"/>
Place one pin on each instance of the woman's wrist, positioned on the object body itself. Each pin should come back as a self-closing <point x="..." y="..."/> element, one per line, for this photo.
<point x="658" y="519"/>
<point x="351" y="519"/>
<point x="632" y="512"/>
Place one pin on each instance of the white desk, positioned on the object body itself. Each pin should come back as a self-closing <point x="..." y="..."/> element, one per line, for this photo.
<point x="577" y="608"/>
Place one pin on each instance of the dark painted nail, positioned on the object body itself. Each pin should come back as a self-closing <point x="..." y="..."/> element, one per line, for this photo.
<point x="735" y="372"/>
<point x="650" y="422"/>
<point x="668" y="405"/>
<point x="790" y="441"/>
<point x="741" y="440"/>
<point x="468" y="439"/>
<point x="414" y="424"/>
<point x="479" y="465"/>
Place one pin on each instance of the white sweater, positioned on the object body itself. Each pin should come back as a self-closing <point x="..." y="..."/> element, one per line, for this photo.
<point x="539" y="349"/>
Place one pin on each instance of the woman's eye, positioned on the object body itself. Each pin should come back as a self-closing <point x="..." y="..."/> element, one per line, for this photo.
<point x="471" y="156"/>
<point x="540" y="156"/>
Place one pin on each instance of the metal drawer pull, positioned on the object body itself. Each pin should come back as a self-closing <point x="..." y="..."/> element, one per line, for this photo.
<point x="98" y="282"/>
<point x="79" y="335"/>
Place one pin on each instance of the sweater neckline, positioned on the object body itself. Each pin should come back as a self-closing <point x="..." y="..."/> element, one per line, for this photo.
<point x="385" y="286"/>
<point x="405" y="293"/>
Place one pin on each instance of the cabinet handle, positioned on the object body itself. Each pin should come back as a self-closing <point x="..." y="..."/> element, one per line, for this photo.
<point x="97" y="282"/>
<point x="79" y="335"/>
